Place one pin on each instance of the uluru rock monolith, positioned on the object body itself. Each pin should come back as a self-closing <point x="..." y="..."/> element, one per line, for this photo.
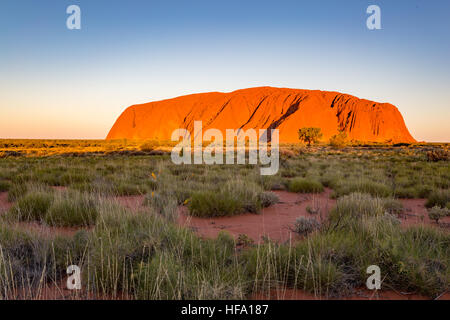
<point x="265" y="107"/>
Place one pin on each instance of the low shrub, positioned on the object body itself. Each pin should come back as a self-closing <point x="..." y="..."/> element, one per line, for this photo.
<point x="244" y="240"/>
<point x="437" y="213"/>
<point x="438" y="198"/>
<point x="302" y="185"/>
<point x="268" y="198"/>
<point x="304" y="226"/>
<point x="392" y="206"/>
<point x="406" y="192"/>
<point x="4" y="185"/>
<point x="330" y="180"/>
<point x="339" y="140"/>
<point x="312" y="209"/>
<point x="438" y="155"/>
<point x="149" y="145"/>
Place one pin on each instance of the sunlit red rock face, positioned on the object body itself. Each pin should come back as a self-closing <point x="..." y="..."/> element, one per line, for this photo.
<point x="264" y="107"/>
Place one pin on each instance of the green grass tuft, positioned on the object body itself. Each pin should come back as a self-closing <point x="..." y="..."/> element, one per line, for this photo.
<point x="31" y="207"/>
<point x="303" y="185"/>
<point x="363" y="186"/>
<point x="438" y="198"/>
<point x="72" y="209"/>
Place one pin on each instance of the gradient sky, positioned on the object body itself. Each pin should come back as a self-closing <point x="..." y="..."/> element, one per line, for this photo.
<point x="60" y="83"/>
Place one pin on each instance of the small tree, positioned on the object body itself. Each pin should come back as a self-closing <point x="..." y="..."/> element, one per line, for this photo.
<point x="309" y="135"/>
<point x="437" y="213"/>
<point x="304" y="226"/>
<point x="339" y="140"/>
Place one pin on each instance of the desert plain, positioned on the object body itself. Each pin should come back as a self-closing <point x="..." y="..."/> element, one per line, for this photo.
<point x="141" y="227"/>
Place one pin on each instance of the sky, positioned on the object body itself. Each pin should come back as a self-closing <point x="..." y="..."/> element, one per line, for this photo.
<point x="58" y="83"/>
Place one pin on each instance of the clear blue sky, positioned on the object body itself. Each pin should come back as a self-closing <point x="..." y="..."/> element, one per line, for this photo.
<point x="60" y="83"/>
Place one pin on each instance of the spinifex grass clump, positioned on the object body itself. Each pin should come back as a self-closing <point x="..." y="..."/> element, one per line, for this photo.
<point x="62" y="209"/>
<point x="143" y="256"/>
<point x="303" y="185"/>
<point x="199" y="269"/>
<point x="163" y="203"/>
<point x="60" y="175"/>
<point x="274" y="182"/>
<point x="72" y="209"/>
<point x="29" y="260"/>
<point x="392" y="206"/>
<point x="439" y="198"/>
<point x="32" y="207"/>
<point x="373" y="188"/>
<point x="18" y="190"/>
<point x="4" y="185"/>
<point x="270" y="266"/>
<point x="213" y="204"/>
<point x="234" y="197"/>
<point x="356" y="205"/>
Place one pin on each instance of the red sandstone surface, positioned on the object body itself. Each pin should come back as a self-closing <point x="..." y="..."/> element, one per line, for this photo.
<point x="265" y="107"/>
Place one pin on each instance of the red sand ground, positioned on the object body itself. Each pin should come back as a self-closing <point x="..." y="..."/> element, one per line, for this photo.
<point x="47" y="231"/>
<point x="274" y="222"/>
<point x="361" y="294"/>
<point x="58" y="291"/>
<point x="416" y="213"/>
<point x="4" y="204"/>
<point x="133" y="203"/>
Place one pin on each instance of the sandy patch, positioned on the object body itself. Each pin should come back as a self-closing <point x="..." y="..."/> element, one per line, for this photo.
<point x="46" y="231"/>
<point x="59" y="291"/>
<point x="59" y="188"/>
<point x="133" y="203"/>
<point x="361" y="294"/>
<point x="274" y="222"/>
<point x="4" y="203"/>
<point x="415" y="213"/>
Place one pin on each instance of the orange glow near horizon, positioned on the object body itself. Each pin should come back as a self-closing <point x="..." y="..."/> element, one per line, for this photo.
<point x="95" y="121"/>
